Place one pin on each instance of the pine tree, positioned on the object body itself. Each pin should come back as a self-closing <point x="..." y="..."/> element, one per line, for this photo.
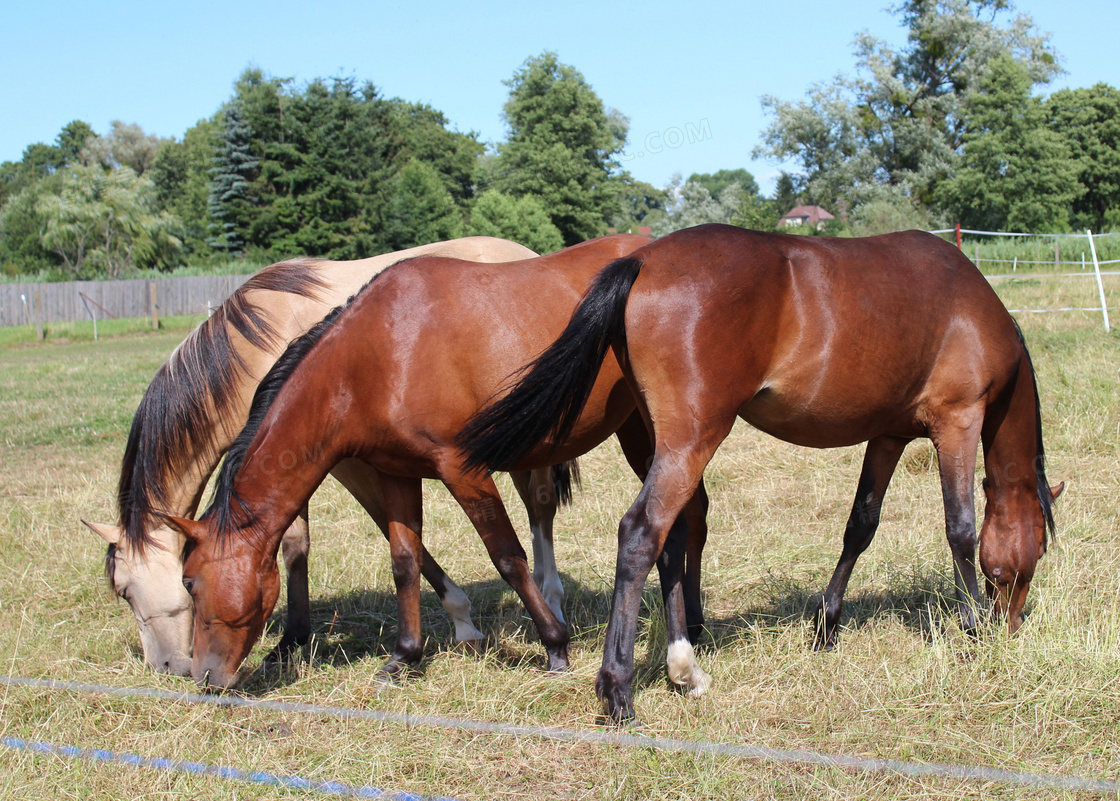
<point x="233" y="170"/>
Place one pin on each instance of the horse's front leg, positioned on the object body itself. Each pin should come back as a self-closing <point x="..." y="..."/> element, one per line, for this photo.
<point x="956" y="444"/>
<point x="295" y="546"/>
<point x="403" y="504"/>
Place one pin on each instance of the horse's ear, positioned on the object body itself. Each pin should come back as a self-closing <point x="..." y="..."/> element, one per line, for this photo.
<point x="1057" y="490"/>
<point x="111" y="534"/>
<point x="194" y="531"/>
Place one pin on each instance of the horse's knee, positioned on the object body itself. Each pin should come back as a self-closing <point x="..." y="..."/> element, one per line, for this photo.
<point x="962" y="538"/>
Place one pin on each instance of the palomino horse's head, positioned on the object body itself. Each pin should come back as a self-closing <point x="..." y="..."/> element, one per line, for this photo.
<point x="1012" y="540"/>
<point x="152" y="583"/>
<point x="234" y="584"/>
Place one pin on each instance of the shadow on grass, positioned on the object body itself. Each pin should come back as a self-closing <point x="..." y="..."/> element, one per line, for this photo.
<point x="362" y="625"/>
<point x="359" y="626"/>
<point x="923" y="602"/>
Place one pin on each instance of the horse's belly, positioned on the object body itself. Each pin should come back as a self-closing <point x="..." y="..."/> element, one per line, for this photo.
<point x="828" y="421"/>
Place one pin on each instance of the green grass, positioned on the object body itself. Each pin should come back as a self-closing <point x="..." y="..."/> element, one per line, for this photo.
<point x="903" y="684"/>
<point x="83" y="330"/>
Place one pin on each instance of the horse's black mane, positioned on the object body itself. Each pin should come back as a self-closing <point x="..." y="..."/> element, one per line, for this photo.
<point x="221" y="508"/>
<point x="1043" y="488"/>
<point x="191" y="391"/>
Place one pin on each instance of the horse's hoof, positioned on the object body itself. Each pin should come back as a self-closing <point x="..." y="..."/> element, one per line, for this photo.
<point x="699" y="683"/>
<point x="558" y="660"/>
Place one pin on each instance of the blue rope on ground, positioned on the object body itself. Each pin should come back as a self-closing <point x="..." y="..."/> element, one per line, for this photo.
<point x="216" y="771"/>
<point x="917" y="769"/>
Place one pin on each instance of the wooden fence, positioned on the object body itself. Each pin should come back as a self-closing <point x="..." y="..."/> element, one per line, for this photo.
<point x="28" y="304"/>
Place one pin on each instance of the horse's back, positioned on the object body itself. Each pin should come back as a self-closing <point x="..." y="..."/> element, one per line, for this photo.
<point x="446" y="334"/>
<point x="820" y="341"/>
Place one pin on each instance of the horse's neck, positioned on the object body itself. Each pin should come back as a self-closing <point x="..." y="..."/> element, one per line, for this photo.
<point x="1011" y="447"/>
<point x="282" y="470"/>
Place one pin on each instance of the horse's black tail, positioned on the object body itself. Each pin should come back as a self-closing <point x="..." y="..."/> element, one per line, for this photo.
<point x="566" y="479"/>
<point x="552" y="390"/>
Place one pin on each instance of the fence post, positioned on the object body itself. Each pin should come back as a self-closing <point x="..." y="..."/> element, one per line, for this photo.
<point x="1100" y="285"/>
<point x="155" y="304"/>
<point x="38" y="315"/>
<point x="958" y="236"/>
<point x="92" y="314"/>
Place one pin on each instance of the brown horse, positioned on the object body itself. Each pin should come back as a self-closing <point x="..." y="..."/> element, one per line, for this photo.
<point x="389" y="381"/>
<point x="197" y="403"/>
<point x="820" y="342"/>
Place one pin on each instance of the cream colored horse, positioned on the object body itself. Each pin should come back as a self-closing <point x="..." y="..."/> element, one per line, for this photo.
<point x="198" y="402"/>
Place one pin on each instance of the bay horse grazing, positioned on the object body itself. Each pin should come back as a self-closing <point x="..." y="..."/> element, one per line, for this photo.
<point x="819" y="342"/>
<point x="389" y="380"/>
<point x="197" y="403"/>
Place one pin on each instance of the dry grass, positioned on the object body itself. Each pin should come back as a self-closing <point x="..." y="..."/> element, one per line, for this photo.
<point x="903" y="684"/>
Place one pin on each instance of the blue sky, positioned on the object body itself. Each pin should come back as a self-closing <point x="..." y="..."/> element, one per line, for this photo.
<point x="689" y="75"/>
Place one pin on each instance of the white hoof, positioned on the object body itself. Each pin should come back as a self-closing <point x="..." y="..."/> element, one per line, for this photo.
<point x="685" y="671"/>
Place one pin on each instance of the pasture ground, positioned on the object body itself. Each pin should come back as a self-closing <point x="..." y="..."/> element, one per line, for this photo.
<point x="903" y="684"/>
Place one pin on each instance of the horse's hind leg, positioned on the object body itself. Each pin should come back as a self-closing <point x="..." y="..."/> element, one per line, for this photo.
<point x="696" y="513"/>
<point x="680" y="658"/>
<point x="480" y="500"/>
<point x="956" y="444"/>
<point x="879" y="462"/>
<point x="363" y="483"/>
<point x="634" y="438"/>
<point x="541" y="500"/>
<point x="673" y="479"/>
<point x="295" y="545"/>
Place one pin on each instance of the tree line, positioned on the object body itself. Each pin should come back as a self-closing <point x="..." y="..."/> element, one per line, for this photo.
<point x="947" y="129"/>
<point x="330" y="168"/>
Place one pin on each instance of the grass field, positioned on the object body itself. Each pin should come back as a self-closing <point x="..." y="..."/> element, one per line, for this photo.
<point x="903" y="684"/>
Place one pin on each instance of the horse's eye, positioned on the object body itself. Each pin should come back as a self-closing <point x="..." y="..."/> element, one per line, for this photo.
<point x="188" y="583"/>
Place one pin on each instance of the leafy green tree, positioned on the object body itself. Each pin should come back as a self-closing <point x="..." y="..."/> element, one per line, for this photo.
<point x="40" y="161"/>
<point x="716" y="182"/>
<point x="181" y="174"/>
<point x="522" y="219"/>
<point x="786" y="194"/>
<point x="334" y="157"/>
<point x="692" y="204"/>
<point x="71" y="139"/>
<point x="421" y="209"/>
<point x="420" y="133"/>
<point x="561" y="147"/>
<point x="758" y="213"/>
<point x="105" y="223"/>
<point x="901" y="121"/>
<point x="21" y="249"/>
<point x="641" y="204"/>
<point x="1016" y="172"/>
<point x="886" y="214"/>
<point x="124" y="146"/>
<point x="1088" y="121"/>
